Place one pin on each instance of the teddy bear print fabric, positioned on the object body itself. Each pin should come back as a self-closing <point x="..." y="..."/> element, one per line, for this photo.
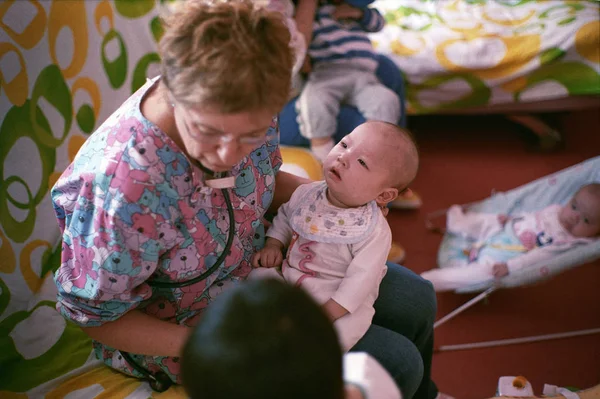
<point x="133" y="209"/>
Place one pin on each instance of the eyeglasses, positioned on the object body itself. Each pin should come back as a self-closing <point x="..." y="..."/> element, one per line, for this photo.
<point x="254" y="139"/>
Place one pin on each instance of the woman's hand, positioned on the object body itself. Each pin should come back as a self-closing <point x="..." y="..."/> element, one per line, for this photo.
<point x="346" y="11"/>
<point x="307" y="66"/>
<point x="140" y="333"/>
<point x="304" y="17"/>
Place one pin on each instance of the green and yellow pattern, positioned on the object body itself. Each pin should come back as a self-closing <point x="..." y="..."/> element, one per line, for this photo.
<point x="66" y="65"/>
<point x="457" y="54"/>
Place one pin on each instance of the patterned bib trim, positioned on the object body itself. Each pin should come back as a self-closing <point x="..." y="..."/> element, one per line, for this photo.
<point x="316" y="219"/>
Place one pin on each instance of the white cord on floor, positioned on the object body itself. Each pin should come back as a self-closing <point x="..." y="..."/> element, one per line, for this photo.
<point x="513" y="341"/>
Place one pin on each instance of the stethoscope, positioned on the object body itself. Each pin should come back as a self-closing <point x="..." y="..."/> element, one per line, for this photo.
<point x="160" y="381"/>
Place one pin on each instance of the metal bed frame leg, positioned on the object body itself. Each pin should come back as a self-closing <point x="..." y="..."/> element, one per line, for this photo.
<point x="548" y="138"/>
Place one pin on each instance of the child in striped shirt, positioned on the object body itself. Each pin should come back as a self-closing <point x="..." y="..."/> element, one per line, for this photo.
<point x="343" y="71"/>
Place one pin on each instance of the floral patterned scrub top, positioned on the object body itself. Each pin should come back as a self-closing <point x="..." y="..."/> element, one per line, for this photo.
<point x="133" y="209"/>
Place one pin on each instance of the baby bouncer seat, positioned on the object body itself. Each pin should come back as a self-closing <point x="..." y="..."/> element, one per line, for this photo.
<point x="556" y="188"/>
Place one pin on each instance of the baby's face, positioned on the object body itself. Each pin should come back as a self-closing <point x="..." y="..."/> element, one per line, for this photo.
<point x="357" y="169"/>
<point x="581" y="215"/>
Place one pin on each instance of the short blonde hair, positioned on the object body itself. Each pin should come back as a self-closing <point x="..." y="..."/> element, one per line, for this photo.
<point x="232" y="55"/>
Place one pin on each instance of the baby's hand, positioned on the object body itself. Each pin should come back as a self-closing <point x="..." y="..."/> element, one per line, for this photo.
<point x="334" y="310"/>
<point x="306" y="66"/>
<point x="384" y="210"/>
<point x="269" y="256"/>
<point x="500" y="270"/>
<point x="346" y="11"/>
<point x="502" y="219"/>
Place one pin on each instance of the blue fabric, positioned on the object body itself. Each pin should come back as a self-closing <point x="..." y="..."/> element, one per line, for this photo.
<point x="334" y="40"/>
<point x="354" y="55"/>
<point x="349" y="117"/>
<point x="401" y="335"/>
<point x="490" y="249"/>
<point x="556" y="188"/>
<point x="359" y="3"/>
<point x="506" y="238"/>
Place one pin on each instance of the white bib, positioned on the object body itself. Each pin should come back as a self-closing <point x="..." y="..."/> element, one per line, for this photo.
<point x="316" y="219"/>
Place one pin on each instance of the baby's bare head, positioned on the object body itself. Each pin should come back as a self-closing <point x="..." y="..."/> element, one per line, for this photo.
<point x="581" y="215"/>
<point x="593" y="190"/>
<point x="374" y="162"/>
<point x="398" y="152"/>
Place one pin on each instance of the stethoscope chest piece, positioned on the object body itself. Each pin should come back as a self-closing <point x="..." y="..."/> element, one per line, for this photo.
<point x="160" y="381"/>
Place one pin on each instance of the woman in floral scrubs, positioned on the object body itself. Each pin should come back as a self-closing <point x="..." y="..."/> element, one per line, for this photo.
<point x="136" y="206"/>
<point x="142" y="204"/>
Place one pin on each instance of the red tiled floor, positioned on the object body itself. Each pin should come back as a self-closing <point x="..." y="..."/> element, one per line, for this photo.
<point x="463" y="160"/>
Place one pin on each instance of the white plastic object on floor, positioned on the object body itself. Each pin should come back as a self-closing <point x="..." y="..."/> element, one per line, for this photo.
<point x="514" y="386"/>
<point x="553" y="390"/>
<point x="366" y="373"/>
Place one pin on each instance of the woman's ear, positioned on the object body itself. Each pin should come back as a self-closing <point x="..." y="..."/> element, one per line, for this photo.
<point x="386" y="196"/>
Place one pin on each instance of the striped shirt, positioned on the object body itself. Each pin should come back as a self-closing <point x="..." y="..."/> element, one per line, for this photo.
<point x="344" y="41"/>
